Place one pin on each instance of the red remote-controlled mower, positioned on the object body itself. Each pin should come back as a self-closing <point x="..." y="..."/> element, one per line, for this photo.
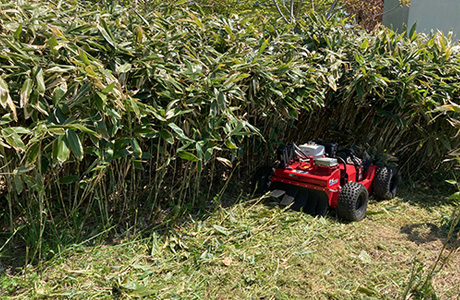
<point x="316" y="176"/>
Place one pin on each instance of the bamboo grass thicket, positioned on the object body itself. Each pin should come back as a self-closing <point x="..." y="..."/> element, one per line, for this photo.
<point x="110" y="111"/>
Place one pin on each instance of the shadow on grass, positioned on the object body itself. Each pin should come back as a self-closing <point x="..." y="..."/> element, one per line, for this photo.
<point x="427" y="196"/>
<point x="431" y="199"/>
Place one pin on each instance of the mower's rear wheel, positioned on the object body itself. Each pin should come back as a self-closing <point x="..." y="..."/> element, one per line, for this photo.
<point x="353" y="201"/>
<point x="385" y="183"/>
<point x="261" y="180"/>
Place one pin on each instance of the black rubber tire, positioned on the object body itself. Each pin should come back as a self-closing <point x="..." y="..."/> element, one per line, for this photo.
<point x="385" y="183"/>
<point x="353" y="201"/>
<point x="261" y="180"/>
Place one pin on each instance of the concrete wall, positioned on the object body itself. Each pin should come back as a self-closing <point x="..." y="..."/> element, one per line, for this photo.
<point x="430" y="15"/>
<point x="395" y="18"/>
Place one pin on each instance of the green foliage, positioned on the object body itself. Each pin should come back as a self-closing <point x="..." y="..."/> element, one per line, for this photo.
<point x="107" y="109"/>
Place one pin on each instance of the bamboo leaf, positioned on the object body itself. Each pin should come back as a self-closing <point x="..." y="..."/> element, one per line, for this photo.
<point x="52" y="43"/>
<point x="177" y="130"/>
<point x="230" y="144"/>
<point x="225" y="161"/>
<point x="25" y="92"/>
<point x="364" y="44"/>
<point x="455" y="196"/>
<point x="40" y="82"/>
<point x="167" y="136"/>
<point x="136" y="148"/>
<point x="60" y="151"/>
<point x="109" y="88"/>
<point x="17" y="33"/>
<point x="106" y="33"/>
<point x="222" y="230"/>
<point x="197" y="21"/>
<point x="83" y="56"/>
<point x="5" y="98"/>
<point x="187" y="155"/>
<point x="18" y="186"/>
<point x="262" y="48"/>
<point x="32" y="153"/>
<point x="13" y="139"/>
<point x="24" y="169"/>
<point x="74" y="144"/>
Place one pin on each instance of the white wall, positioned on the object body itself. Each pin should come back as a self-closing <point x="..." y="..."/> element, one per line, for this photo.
<point x="430" y="15"/>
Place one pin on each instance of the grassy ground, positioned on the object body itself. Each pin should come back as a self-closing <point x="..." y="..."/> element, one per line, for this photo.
<point x="255" y="250"/>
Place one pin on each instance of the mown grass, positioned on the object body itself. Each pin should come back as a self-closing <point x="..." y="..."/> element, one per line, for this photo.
<point x="253" y="249"/>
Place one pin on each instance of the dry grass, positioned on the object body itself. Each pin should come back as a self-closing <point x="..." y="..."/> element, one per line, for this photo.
<point x="254" y="249"/>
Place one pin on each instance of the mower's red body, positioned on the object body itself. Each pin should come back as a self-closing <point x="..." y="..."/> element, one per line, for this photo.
<point x="327" y="179"/>
<point x="316" y="176"/>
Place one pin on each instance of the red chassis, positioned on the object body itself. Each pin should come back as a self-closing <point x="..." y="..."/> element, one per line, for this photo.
<point x="314" y="183"/>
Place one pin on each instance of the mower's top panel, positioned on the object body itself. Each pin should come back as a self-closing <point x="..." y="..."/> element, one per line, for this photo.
<point x="306" y="173"/>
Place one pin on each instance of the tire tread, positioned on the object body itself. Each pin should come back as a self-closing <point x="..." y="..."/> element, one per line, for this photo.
<point x="348" y="197"/>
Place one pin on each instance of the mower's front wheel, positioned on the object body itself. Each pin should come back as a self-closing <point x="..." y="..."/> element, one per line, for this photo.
<point x="261" y="180"/>
<point x="385" y="183"/>
<point x="353" y="201"/>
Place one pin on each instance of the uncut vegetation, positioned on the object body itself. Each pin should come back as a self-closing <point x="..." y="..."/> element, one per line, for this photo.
<point x="111" y="115"/>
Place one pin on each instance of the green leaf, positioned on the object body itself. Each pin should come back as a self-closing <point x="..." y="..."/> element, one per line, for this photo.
<point x="187" y="155"/>
<point x="167" y="136"/>
<point x="52" y="43"/>
<point x="262" y="48"/>
<point x="32" y="153"/>
<point x="24" y="169"/>
<point x="83" y="57"/>
<point x="73" y="142"/>
<point x="199" y="150"/>
<point x="5" y="98"/>
<point x="225" y="161"/>
<point x="230" y="144"/>
<point x="19" y="130"/>
<point x="364" y="44"/>
<point x="78" y="97"/>
<point x="83" y="129"/>
<point x="197" y="21"/>
<point x="13" y="139"/>
<point x="136" y="148"/>
<point x="222" y="230"/>
<point x="455" y="196"/>
<point x="18" y="186"/>
<point x="368" y="291"/>
<point x="60" y="151"/>
<point x="221" y="100"/>
<point x="25" y="92"/>
<point x="40" y="82"/>
<point x="138" y="164"/>
<point x="106" y="33"/>
<point x="177" y="130"/>
<point x="17" y="33"/>
<point x="59" y="92"/>
<point x="30" y="181"/>
<point x="124" y="68"/>
<point x="109" y="88"/>
<point x="137" y="289"/>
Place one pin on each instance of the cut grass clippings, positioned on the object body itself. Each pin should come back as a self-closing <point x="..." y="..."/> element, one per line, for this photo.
<point x="256" y="250"/>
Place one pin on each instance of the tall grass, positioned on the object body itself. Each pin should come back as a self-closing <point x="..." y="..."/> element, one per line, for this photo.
<point x="113" y="116"/>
